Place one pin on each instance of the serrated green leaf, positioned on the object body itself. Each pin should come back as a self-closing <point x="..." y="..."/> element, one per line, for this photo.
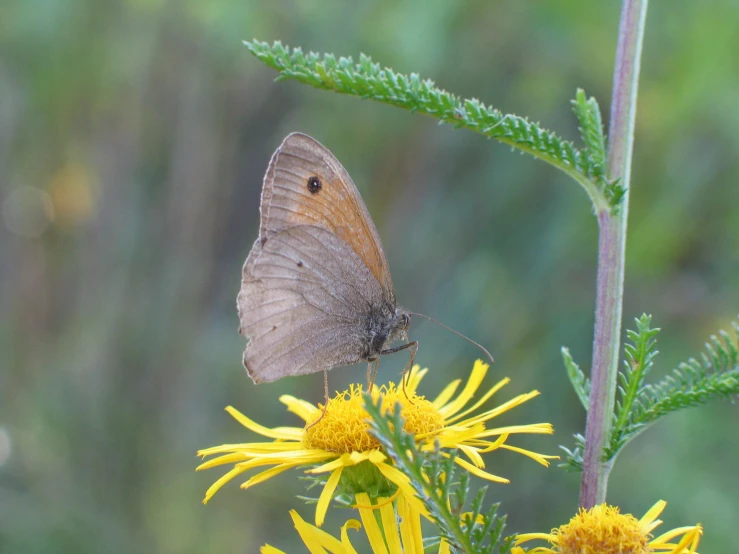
<point x="579" y="382"/>
<point x="693" y="383"/>
<point x="366" y="80"/>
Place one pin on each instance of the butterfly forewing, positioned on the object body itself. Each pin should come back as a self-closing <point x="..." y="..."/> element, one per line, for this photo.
<point x="306" y="185"/>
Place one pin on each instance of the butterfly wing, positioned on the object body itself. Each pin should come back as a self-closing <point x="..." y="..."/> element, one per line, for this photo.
<point x="306" y="185"/>
<point x="304" y="304"/>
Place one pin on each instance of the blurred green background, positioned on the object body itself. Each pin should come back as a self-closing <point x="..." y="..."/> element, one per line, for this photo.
<point x="133" y="140"/>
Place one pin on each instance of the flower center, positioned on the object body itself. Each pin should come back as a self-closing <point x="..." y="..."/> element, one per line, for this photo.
<point x="344" y="427"/>
<point x="602" y="530"/>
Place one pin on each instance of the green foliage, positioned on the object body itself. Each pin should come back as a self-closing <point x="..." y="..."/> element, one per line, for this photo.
<point x="591" y="129"/>
<point x="592" y="134"/>
<point x="432" y="474"/>
<point x="694" y="382"/>
<point x="572" y="460"/>
<point x="367" y="79"/>
<point x="580" y="383"/>
<point x="640" y="354"/>
<point x="363" y="477"/>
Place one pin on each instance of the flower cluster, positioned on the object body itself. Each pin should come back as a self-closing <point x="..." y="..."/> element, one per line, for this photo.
<point x="336" y="447"/>
<point x="339" y="444"/>
<point x="602" y="530"/>
<point x="605" y="530"/>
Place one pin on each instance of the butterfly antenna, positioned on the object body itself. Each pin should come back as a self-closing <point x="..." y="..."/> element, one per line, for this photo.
<point x="440" y="324"/>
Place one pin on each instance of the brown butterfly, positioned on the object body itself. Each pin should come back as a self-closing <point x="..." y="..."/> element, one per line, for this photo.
<point x="316" y="291"/>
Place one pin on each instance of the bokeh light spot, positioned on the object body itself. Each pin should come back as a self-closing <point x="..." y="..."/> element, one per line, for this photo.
<point x="74" y="191"/>
<point x="27" y="211"/>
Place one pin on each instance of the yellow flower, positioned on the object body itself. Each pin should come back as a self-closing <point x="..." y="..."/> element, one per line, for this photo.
<point x="604" y="530"/>
<point x="391" y="533"/>
<point x="342" y="447"/>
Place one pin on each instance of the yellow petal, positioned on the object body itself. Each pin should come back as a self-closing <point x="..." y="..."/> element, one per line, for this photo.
<point x="446" y="394"/>
<point x="467" y="516"/>
<point x="350" y="524"/>
<point x="499" y="385"/>
<point x="694" y="540"/>
<point x="302" y="457"/>
<point x="406" y="529"/>
<point x="526" y="537"/>
<point x="402" y="481"/>
<point x="414" y="379"/>
<point x="345" y="460"/>
<point x="389" y="524"/>
<point x="663" y="538"/>
<point x="652" y="514"/>
<point x="370" y="524"/>
<point x="483" y="446"/>
<point x="473" y="455"/>
<point x="287" y="433"/>
<point x="487" y="446"/>
<point x="277" y="446"/>
<point x="227" y="459"/>
<point x="357" y="457"/>
<point x="306" y="456"/>
<point x="412" y="539"/>
<point x="687" y="544"/>
<point x="309" y="455"/>
<point x="348" y="460"/>
<point x="473" y="383"/>
<point x="267" y="549"/>
<point x="330" y="466"/>
<point x="480" y="473"/>
<point x="376" y="457"/>
<point x="529" y="429"/>
<point x="444" y="547"/>
<point x="495" y="412"/>
<point x="249" y="464"/>
<point x="451" y="437"/>
<point x="266" y="474"/>
<point x="308" y="533"/>
<point x="215" y="487"/>
<point x="540" y="458"/>
<point x="327" y="495"/>
<point x="301" y="408"/>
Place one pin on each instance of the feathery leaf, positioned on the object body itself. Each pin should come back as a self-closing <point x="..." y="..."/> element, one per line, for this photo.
<point x="592" y="134"/>
<point x="691" y="384"/>
<point x="367" y="79"/>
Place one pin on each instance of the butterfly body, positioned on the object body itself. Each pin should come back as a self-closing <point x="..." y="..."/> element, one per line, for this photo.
<point x="316" y="290"/>
<point x="384" y="326"/>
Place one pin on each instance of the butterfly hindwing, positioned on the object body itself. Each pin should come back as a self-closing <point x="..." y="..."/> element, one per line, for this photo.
<point x="305" y="301"/>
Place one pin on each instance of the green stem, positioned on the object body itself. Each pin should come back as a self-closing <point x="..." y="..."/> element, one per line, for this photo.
<point x="611" y="255"/>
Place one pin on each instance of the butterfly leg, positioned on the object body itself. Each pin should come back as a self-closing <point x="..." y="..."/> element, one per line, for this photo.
<point x="408" y="367"/>
<point x="325" y="399"/>
<point x="372" y="373"/>
<point x="413" y="346"/>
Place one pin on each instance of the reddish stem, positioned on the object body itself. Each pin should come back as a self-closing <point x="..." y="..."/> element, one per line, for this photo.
<point x="611" y="256"/>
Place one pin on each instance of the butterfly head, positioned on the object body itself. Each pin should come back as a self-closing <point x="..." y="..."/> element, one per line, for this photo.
<point x="402" y="323"/>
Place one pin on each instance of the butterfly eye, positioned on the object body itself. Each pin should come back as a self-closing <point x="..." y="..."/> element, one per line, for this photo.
<point x="406" y="320"/>
<point x="314" y="184"/>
